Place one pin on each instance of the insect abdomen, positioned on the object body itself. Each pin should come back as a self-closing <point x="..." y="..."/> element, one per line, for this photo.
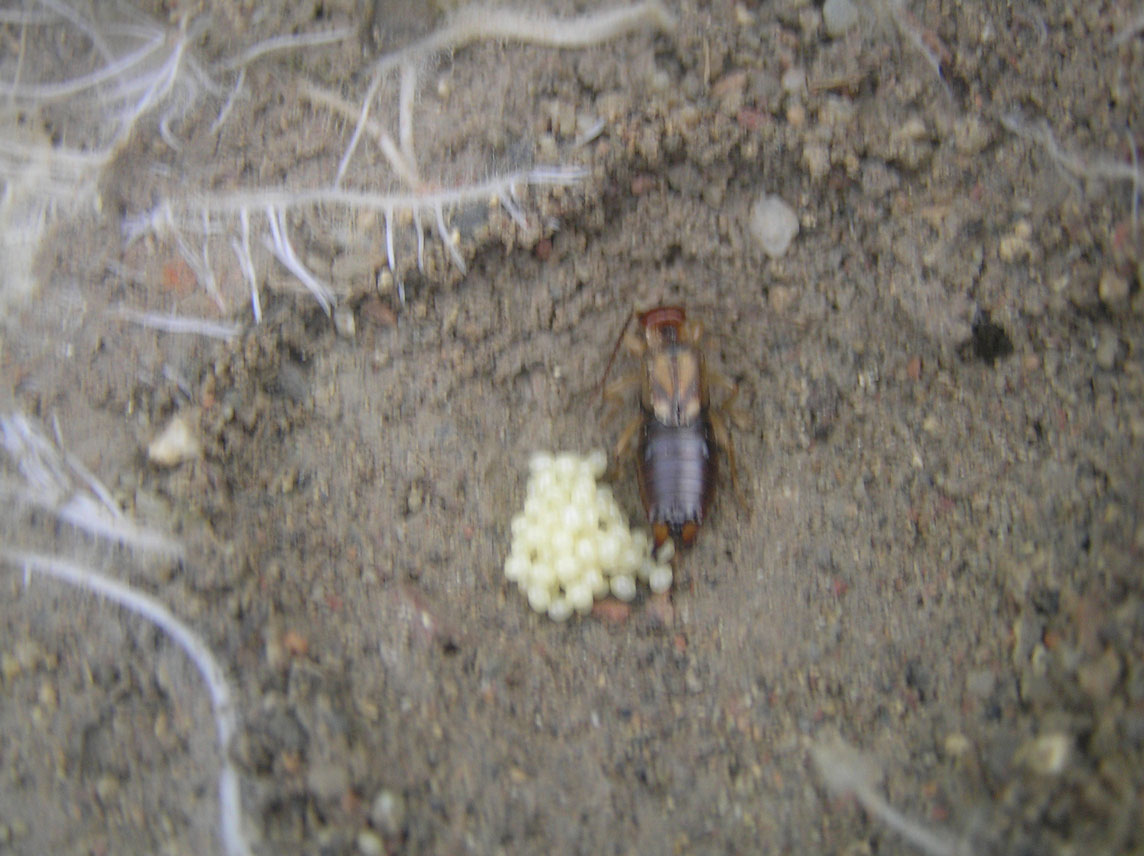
<point x="676" y="476"/>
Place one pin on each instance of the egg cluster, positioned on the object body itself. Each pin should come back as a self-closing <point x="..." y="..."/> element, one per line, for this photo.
<point x="571" y="543"/>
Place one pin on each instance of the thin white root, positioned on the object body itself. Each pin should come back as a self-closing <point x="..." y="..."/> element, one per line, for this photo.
<point x="447" y="240"/>
<point x="390" y="257"/>
<point x="420" y="239"/>
<point x="216" y="210"/>
<point x="847" y="772"/>
<point x="285" y="198"/>
<point x="280" y="246"/>
<point x="179" y="323"/>
<point x="200" y="266"/>
<point x="315" y="93"/>
<point x="1070" y="162"/>
<point x="246" y="262"/>
<point x="406" y="96"/>
<point x="54" y="482"/>
<point x="402" y="163"/>
<point x="516" y="26"/>
<point x="1137" y="179"/>
<point x="508" y="203"/>
<point x="230" y="804"/>
<point x="1134" y="26"/>
<point x="228" y="105"/>
<point x="286" y="43"/>
<point x="908" y="29"/>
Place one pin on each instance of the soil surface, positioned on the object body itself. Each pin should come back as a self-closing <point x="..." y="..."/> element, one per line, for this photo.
<point x="939" y="555"/>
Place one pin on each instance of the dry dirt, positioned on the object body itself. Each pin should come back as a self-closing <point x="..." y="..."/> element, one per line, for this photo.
<point x="940" y="555"/>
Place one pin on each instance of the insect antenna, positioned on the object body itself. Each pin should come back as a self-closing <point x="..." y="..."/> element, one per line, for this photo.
<point x="615" y="350"/>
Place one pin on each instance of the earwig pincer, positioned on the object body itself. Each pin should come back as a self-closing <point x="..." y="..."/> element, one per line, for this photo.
<point x="676" y="431"/>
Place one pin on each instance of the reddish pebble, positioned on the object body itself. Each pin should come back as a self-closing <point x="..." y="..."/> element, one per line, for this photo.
<point x="660" y="609"/>
<point x="729" y="83"/>
<point x="750" y="119"/>
<point x="611" y="610"/>
<point x="350" y="802"/>
<point x="178" y="278"/>
<point x="294" y="642"/>
<point x="642" y="183"/>
<point x="914" y="368"/>
<point x="377" y="312"/>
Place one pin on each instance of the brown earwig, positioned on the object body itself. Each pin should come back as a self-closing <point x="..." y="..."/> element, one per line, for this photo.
<point x="677" y="429"/>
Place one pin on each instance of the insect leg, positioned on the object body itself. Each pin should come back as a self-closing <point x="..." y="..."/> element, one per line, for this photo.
<point x="724" y="442"/>
<point x="624" y="445"/>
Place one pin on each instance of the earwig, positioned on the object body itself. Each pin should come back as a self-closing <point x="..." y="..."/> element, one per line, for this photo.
<point x="676" y="431"/>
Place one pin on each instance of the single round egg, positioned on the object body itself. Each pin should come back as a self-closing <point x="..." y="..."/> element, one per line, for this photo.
<point x="597" y="463"/>
<point x="608" y="548"/>
<point x="587" y="551"/>
<point x="516" y="567"/>
<point x="623" y="587"/>
<point x="539" y="597"/>
<point x="659" y="580"/>
<point x="560" y="541"/>
<point x="580" y="597"/>
<point x="567" y="569"/>
<point x="560" y="609"/>
<point x="572" y="516"/>
<point x="539" y="461"/>
<point x="595" y="578"/>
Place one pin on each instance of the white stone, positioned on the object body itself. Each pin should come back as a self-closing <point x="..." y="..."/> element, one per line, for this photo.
<point x="774" y="225"/>
<point x="344" y="322"/>
<point x="368" y="844"/>
<point x="839" y="16"/>
<point x="176" y="444"/>
<point x="1113" y="288"/>
<point x="794" y="81"/>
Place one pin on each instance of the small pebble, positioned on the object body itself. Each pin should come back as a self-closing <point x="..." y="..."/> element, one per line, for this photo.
<point x="1098" y="678"/>
<point x="327" y="780"/>
<point x="47" y="695"/>
<point x="415" y="498"/>
<point x="1016" y="245"/>
<point x="387" y="814"/>
<point x="816" y="159"/>
<point x="839" y="16"/>
<point x="794" y="81"/>
<point x="175" y="445"/>
<point x="956" y="745"/>
<point x="781" y="298"/>
<point x="344" y="322"/>
<point x="774" y="225"/>
<point x="1113" y="288"/>
<point x="970" y="135"/>
<point x="106" y="789"/>
<point x="368" y="844"/>
<point x="1107" y="350"/>
<point x="980" y="683"/>
<point x="1046" y="755"/>
<point x="10" y="668"/>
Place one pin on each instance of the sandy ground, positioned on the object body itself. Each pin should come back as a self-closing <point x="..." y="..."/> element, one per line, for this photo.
<point x="939" y="559"/>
